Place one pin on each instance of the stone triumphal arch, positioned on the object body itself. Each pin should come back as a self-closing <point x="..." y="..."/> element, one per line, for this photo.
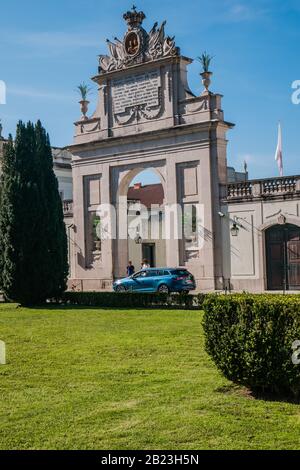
<point x="148" y="118"/>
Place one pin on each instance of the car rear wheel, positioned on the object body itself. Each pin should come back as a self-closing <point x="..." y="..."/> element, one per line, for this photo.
<point x="163" y="289"/>
<point x="121" y="289"/>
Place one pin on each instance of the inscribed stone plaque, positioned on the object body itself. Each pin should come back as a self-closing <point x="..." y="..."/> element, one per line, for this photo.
<point x="2" y="353"/>
<point x="136" y="90"/>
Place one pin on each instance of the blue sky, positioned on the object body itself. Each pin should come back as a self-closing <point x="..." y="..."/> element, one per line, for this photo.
<point x="48" y="48"/>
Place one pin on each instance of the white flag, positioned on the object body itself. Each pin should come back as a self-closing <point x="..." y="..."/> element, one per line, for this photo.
<point x="278" y="156"/>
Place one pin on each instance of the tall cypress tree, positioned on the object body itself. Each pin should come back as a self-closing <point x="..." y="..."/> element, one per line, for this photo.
<point x="34" y="243"/>
<point x="18" y="196"/>
<point x="8" y="229"/>
<point x="55" y="251"/>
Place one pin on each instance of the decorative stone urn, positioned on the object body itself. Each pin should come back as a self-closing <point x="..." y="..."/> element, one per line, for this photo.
<point x="206" y="80"/>
<point x="84" y="108"/>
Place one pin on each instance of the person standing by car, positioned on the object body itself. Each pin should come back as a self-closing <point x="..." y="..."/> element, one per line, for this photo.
<point x="130" y="269"/>
<point x="145" y="264"/>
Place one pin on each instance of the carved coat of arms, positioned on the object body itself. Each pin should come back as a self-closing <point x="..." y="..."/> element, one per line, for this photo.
<point x="137" y="46"/>
<point x="137" y="95"/>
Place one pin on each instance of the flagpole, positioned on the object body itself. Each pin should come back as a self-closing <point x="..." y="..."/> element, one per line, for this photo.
<point x="278" y="155"/>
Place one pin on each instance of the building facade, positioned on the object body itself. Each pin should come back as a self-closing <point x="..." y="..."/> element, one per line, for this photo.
<point x="147" y="118"/>
<point x="145" y="241"/>
<point x="232" y="233"/>
<point x="261" y="235"/>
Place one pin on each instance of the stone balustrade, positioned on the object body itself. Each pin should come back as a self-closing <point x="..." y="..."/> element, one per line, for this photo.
<point x="240" y="190"/>
<point x="280" y="185"/>
<point x="265" y="188"/>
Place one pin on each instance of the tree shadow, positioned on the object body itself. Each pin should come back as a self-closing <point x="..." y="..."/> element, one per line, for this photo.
<point x="273" y="397"/>
<point x="259" y="395"/>
<point x="59" y="307"/>
<point x="66" y="307"/>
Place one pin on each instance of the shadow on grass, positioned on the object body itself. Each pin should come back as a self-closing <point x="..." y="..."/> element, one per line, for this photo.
<point x="65" y="307"/>
<point x="275" y="397"/>
<point x="259" y="395"/>
<point x="80" y="307"/>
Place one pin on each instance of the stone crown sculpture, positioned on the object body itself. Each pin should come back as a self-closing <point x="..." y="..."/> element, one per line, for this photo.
<point x="138" y="46"/>
<point x="133" y="18"/>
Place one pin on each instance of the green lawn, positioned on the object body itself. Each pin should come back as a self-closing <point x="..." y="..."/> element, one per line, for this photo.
<point x="94" y="379"/>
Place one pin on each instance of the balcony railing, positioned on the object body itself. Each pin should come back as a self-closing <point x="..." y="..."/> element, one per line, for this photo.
<point x="266" y="188"/>
<point x="68" y="208"/>
<point x="280" y="185"/>
<point x="238" y="190"/>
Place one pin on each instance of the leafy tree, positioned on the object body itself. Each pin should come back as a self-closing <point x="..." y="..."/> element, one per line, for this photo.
<point x="33" y="245"/>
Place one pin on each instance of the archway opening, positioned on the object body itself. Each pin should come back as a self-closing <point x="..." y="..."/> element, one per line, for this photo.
<point x="145" y="200"/>
<point x="283" y="257"/>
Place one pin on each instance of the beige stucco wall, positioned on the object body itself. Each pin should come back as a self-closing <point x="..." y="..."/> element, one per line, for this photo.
<point x="244" y="256"/>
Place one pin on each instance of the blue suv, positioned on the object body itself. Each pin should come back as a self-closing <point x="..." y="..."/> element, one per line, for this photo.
<point x="162" y="280"/>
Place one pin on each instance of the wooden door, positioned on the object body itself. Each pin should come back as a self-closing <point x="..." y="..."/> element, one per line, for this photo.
<point x="283" y="257"/>
<point x="275" y="258"/>
<point x="293" y="257"/>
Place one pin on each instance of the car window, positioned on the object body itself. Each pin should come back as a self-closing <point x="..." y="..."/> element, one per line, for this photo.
<point x="151" y="273"/>
<point x="154" y="273"/>
<point x="163" y="273"/>
<point x="180" y="272"/>
<point x="140" y="275"/>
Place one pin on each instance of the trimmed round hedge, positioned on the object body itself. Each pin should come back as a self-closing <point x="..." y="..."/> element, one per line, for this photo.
<point x="250" y="338"/>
